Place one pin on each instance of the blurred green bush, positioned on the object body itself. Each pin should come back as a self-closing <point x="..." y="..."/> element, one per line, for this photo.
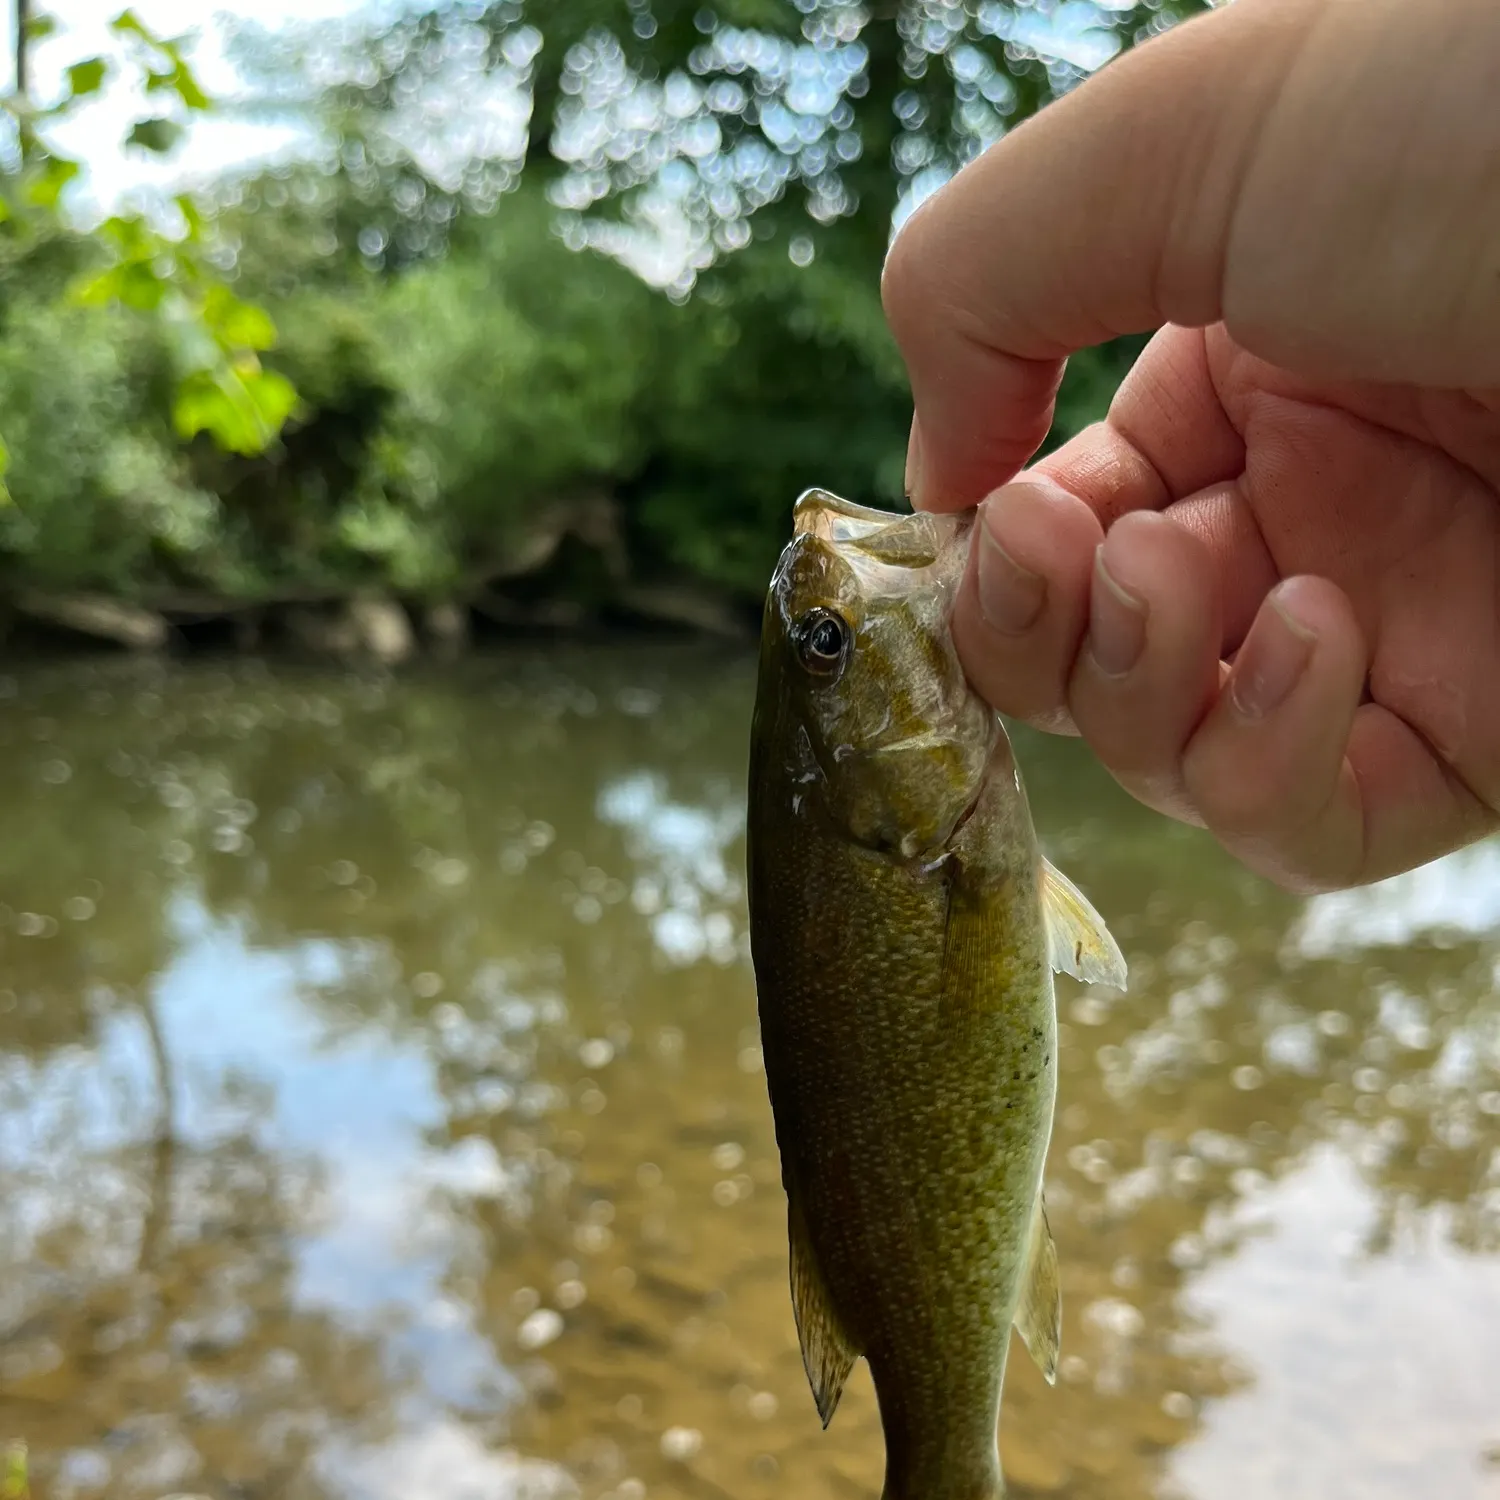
<point x="469" y="381"/>
<point x="447" y="408"/>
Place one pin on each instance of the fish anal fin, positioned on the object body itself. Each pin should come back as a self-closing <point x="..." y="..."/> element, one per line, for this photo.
<point x="1078" y="942"/>
<point x="827" y="1353"/>
<point x="1039" y="1312"/>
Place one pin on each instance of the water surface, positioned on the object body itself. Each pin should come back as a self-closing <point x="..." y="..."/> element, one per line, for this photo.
<point x="382" y="1117"/>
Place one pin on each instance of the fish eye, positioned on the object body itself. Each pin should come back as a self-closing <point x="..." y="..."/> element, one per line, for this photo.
<point x="822" y="640"/>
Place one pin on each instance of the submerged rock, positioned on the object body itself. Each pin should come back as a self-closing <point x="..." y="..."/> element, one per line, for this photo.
<point x="317" y="630"/>
<point x="446" y="625"/>
<point x="382" y="628"/>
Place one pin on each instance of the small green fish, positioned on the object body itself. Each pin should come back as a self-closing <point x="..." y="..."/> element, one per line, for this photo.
<point x="904" y="931"/>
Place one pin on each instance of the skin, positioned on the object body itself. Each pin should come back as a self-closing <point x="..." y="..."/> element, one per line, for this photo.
<point x="906" y="1000"/>
<point x="1264" y="588"/>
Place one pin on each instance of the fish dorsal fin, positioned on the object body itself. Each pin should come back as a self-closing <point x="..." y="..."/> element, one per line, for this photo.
<point x="827" y="1354"/>
<point x="1039" y="1312"/>
<point x="1078" y="942"/>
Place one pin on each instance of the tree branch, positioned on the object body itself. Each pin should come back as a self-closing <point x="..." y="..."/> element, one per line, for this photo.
<point x="23" y="18"/>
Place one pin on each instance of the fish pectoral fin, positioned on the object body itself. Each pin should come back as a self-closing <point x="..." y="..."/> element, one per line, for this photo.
<point x="827" y="1353"/>
<point x="1039" y="1313"/>
<point x="1078" y="942"/>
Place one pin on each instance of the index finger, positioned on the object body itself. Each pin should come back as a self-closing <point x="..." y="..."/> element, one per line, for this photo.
<point x="1107" y="213"/>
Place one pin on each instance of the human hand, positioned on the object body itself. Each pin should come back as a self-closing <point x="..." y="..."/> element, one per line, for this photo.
<point x="1266" y="589"/>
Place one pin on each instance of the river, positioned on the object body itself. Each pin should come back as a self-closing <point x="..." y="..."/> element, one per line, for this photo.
<point x="382" y="1116"/>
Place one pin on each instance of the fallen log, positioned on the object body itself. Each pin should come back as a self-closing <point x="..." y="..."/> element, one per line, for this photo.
<point x="128" y="625"/>
<point x="685" y="607"/>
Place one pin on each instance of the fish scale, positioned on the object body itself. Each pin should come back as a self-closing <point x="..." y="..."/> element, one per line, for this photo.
<point x="904" y="930"/>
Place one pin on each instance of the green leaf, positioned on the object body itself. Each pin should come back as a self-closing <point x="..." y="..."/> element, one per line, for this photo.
<point x="237" y="324"/>
<point x="130" y="237"/>
<point x="242" y="408"/>
<point x="138" y="286"/>
<point x="158" y="135"/>
<point x="127" y="23"/>
<point x="95" y="291"/>
<point x="192" y="216"/>
<point x="179" y="80"/>
<point x="39" y="27"/>
<point x="275" y="399"/>
<point x="46" y="187"/>
<point x="85" y="78"/>
<point x="201" y="406"/>
<point x="4" y="466"/>
<point x="133" y="283"/>
<point x="187" y="87"/>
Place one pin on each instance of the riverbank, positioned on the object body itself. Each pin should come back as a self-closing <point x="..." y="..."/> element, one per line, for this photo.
<point x="369" y="625"/>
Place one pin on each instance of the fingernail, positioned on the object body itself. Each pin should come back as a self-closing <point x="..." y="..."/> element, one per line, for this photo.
<point x="1117" y="621"/>
<point x="1010" y="596"/>
<point x="1269" y="664"/>
<point x="913" y="463"/>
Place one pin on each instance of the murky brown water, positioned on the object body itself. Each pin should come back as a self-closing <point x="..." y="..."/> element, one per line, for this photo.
<point x="381" y="1116"/>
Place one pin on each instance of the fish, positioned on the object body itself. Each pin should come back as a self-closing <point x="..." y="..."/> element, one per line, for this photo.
<point x="904" y="933"/>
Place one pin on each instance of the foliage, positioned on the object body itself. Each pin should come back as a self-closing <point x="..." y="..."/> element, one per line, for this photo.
<point x="105" y="498"/>
<point x="813" y="118"/>
<point x="215" y="338"/>
<point x="524" y="373"/>
<point x="448" y="348"/>
<point x="783" y="377"/>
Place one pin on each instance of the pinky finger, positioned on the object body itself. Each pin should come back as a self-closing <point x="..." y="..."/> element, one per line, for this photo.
<point x="1268" y="768"/>
<point x="1300" y="780"/>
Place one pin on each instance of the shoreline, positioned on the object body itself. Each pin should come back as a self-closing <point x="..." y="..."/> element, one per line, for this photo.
<point x="371" y="626"/>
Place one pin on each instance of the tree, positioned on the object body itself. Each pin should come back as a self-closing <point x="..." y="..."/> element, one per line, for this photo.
<point x="811" y="120"/>
<point x="23" y="26"/>
<point x="215" y="337"/>
<point x="462" y="374"/>
<point x="767" y="135"/>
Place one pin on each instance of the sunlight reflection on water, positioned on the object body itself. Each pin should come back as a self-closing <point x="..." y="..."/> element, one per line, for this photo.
<point x="1459" y="894"/>
<point x="413" y="1142"/>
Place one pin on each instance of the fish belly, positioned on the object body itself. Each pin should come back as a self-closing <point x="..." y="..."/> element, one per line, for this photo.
<point x="913" y="1099"/>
